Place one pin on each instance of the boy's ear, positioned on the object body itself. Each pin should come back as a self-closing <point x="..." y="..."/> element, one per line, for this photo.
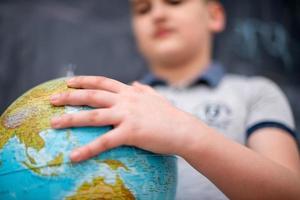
<point x="217" y="16"/>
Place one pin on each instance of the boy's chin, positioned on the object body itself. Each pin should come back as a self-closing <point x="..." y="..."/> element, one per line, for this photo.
<point x="169" y="58"/>
<point x="174" y="52"/>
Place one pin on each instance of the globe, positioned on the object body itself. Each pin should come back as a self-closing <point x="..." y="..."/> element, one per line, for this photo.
<point x="35" y="165"/>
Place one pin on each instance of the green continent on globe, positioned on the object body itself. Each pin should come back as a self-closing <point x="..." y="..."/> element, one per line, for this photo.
<point x="114" y="164"/>
<point x="58" y="160"/>
<point x="33" y="106"/>
<point x="98" y="189"/>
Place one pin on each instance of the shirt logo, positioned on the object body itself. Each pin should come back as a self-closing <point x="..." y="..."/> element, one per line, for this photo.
<point x="217" y="115"/>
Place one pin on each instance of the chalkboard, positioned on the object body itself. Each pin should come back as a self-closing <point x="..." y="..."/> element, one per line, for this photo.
<point x="262" y="38"/>
<point x="42" y="40"/>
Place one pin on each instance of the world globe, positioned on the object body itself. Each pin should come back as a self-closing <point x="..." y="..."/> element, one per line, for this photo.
<point x="35" y="164"/>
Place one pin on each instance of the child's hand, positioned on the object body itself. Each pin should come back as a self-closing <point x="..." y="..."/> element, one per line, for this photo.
<point x="140" y="116"/>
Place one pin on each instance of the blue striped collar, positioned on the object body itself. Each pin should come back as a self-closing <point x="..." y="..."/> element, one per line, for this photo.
<point x="211" y="77"/>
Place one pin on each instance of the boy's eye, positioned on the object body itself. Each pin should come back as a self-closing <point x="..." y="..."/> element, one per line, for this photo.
<point x="141" y="8"/>
<point x="174" y="2"/>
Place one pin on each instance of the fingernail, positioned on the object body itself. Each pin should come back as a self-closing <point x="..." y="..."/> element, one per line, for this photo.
<point x="75" y="156"/>
<point x="54" y="97"/>
<point x="55" y="122"/>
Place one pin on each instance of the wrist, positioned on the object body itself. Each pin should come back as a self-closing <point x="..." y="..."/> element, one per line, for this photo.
<point x="195" y="139"/>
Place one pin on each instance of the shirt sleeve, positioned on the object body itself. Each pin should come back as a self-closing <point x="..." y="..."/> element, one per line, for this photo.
<point x="268" y="107"/>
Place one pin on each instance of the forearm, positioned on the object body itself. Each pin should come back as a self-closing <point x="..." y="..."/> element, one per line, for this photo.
<point x="237" y="170"/>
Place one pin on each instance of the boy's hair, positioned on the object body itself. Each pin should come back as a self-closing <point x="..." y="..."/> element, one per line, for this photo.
<point x="213" y="0"/>
<point x="219" y="1"/>
<point x="216" y="1"/>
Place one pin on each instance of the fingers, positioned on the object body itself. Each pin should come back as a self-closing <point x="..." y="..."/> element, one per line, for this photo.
<point x="92" y="98"/>
<point x="96" y="82"/>
<point x="99" y="117"/>
<point x="112" y="139"/>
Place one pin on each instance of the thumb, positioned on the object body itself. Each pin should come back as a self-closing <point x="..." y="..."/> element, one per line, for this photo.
<point x="111" y="139"/>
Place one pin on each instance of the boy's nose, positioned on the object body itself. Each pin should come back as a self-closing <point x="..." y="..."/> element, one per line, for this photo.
<point x="159" y="12"/>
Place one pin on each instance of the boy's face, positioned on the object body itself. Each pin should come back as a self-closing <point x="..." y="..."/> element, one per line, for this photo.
<point x="171" y="29"/>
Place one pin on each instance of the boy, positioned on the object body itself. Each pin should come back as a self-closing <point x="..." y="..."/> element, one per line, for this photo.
<point x="239" y="140"/>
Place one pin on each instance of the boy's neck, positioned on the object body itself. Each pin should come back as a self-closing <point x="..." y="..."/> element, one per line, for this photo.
<point x="182" y="73"/>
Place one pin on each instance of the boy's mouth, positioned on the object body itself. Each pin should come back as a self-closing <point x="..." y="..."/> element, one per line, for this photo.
<point x="162" y="32"/>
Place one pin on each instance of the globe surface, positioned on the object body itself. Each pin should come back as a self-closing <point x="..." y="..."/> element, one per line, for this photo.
<point x="34" y="159"/>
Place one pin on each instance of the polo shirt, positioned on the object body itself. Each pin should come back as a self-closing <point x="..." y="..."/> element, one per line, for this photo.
<point x="235" y="105"/>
